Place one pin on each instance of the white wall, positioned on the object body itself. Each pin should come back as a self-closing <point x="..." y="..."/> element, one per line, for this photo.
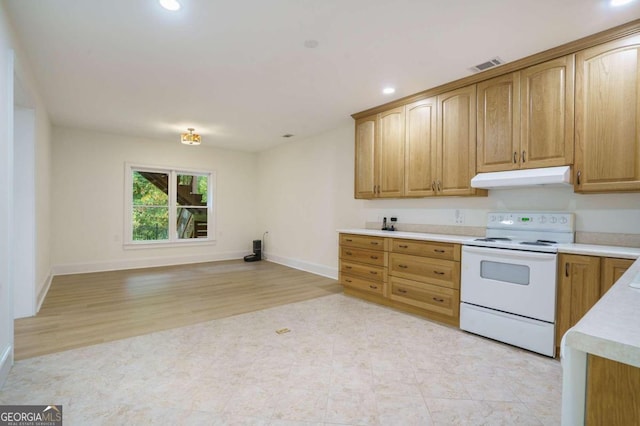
<point x="306" y="193"/>
<point x="14" y="66"/>
<point x="88" y="200"/>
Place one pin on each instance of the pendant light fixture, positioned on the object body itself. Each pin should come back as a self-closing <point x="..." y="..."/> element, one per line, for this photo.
<point x="190" y="138"/>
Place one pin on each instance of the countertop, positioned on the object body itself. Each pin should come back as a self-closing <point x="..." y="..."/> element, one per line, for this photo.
<point x="575" y="248"/>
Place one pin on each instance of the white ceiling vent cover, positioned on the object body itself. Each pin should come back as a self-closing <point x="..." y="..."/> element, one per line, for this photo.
<point x="488" y="64"/>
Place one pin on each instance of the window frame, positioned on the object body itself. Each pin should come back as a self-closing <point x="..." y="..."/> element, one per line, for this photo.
<point x="173" y="240"/>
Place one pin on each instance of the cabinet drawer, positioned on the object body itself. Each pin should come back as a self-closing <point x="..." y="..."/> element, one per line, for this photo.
<point x="369" y="272"/>
<point x="364" y="256"/>
<point x="362" y="284"/>
<point x="447" y="251"/>
<point x="444" y="273"/>
<point x="362" y="241"/>
<point x="433" y="298"/>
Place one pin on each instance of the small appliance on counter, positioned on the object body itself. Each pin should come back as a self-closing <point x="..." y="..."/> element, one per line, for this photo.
<point x="391" y="227"/>
<point x="257" y="252"/>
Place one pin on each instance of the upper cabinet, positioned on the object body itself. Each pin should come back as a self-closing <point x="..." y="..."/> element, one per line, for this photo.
<point x="525" y="119"/>
<point x="379" y="170"/>
<point x="366" y="134"/>
<point x="420" y="148"/>
<point x="456" y="147"/>
<point x="546" y="114"/>
<point x="389" y="154"/>
<point x="608" y="117"/>
<point x="498" y="123"/>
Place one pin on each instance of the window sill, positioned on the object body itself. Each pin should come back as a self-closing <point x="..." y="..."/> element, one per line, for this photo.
<point x="168" y="244"/>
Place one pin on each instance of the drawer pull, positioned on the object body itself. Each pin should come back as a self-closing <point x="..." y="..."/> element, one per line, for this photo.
<point x="438" y="250"/>
<point x="348" y="280"/>
<point x="403" y="291"/>
<point x="348" y="267"/>
<point x="403" y="246"/>
<point x="348" y="253"/>
<point x="438" y="272"/>
<point x="403" y="266"/>
<point x="373" y="272"/>
<point x="374" y="257"/>
<point x="373" y="287"/>
<point x="438" y="300"/>
<point x="375" y="243"/>
<point x="349" y="240"/>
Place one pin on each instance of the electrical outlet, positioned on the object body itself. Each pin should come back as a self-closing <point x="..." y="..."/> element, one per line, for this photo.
<point x="458" y="217"/>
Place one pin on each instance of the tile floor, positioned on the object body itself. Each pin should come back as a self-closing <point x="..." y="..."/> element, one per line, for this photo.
<point x="345" y="362"/>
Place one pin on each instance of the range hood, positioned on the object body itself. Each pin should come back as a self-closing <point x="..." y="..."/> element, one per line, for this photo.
<point x="548" y="176"/>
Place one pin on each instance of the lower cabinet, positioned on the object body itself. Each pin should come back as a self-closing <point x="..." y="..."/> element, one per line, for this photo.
<point x="421" y="277"/>
<point x="613" y="393"/>
<point x="582" y="280"/>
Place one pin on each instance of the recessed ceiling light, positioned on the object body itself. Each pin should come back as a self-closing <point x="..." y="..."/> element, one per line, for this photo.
<point x="171" y="5"/>
<point x="388" y="90"/>
<point x="615" y="3"/>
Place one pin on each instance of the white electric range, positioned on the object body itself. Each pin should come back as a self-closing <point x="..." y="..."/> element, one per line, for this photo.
<point x="508" y="281"/>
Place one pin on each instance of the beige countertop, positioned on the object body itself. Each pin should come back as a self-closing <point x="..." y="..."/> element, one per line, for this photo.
<point x="575" y="248"/>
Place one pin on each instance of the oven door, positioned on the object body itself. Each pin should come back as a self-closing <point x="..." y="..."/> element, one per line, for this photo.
<point x="513" y="281"/>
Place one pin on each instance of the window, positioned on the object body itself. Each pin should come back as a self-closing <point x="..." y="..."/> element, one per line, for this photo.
<point x="168" y="205"/>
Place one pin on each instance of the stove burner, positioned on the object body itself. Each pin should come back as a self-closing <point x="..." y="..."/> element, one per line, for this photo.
<point x="547" y="241"/>
<point x="537" y="243"/>
<point x="492" y="239"/>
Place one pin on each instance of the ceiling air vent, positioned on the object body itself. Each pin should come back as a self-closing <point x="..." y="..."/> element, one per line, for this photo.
<point x="488" y="64"/>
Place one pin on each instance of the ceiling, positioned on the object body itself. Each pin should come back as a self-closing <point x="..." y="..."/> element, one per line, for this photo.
<point x="239" y="72"/>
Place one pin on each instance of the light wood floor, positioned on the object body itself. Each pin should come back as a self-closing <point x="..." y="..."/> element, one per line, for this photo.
<point x="87" y="309"/>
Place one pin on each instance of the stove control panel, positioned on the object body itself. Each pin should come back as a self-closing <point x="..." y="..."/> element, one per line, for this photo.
<point x="556" y="222"/>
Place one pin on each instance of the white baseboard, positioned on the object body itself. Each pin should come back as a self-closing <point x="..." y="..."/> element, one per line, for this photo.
<point x="116" y="265"/>
<point x="314" y="268"/>
<point x="6" y="361"/>
<point x="43" y="291"/>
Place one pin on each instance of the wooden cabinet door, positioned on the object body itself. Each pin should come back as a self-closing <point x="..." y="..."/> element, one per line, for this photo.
<point x="420" y="149"/>
<point x="390" y="153"/>
<point x="547" y="101"/>
<point x="612" y="270"/>
<point x="364" y="182"/>
<point x="578" y="289"/>
<point x="608" y="117"/>
<point x="456" y="141"/>
<point x="498" y="123"/>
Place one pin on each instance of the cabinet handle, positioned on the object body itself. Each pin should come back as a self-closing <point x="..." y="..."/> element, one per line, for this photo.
<point x="438" y="272"/>
<point x="566" y="269"/>
<point x="438" y="300"/>
<point x="439" y="188"/>
<point x="515" y="157"/>
<point x="403" y="291"/>
<point x="348" y="280"/>
<point x="373" y="287"/>
<point x="403" y="266"/>
<point x="373" y="272"/>
<point x="375" y="243"/>
<point x="524" y="156"/>
<point x="347" y="267"/>
<point x="578" y="176"/>
<point x="433" y="186"/>
<point x="403" y="246"/>
<point x="438" y="250"/>
<point x="349" y="240"/>
<point x="374" y="257"/>
<point x="348" y="253"/>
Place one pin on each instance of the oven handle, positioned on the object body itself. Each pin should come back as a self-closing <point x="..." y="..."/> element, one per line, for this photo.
<point x="512" y="254"/>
